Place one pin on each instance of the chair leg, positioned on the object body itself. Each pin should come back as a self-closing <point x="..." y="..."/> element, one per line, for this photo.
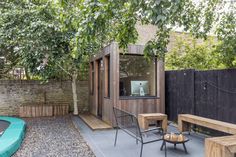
<point x="136" y="141"/>
<point x="163" y="143"/>
<point x="116" y="137"/>
<point x="141" y="153"/>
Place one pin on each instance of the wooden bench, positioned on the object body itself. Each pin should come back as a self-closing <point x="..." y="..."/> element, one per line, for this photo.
<point x="184" y="121"/>
<point x="224" y="146"/>
<point x="220" y="146"/>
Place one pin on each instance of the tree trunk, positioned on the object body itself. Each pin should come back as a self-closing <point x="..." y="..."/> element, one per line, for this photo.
<point x="74" y="91"/>
<point x="27" y="74"/>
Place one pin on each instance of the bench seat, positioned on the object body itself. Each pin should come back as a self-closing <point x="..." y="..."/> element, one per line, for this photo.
<point x="184" y="119"/>
<point x="224" y="146"/>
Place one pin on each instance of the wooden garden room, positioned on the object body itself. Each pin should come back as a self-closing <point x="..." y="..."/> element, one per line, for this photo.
<point x="127" y="81"/>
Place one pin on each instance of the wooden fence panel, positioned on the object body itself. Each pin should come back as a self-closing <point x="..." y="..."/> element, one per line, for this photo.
<point x="227" y="95"/>
<point x="210" y="94"/>
<point x="179" y="93"/>
<point x="205" y="94"/>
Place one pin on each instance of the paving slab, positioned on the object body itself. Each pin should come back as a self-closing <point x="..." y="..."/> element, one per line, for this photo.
<point x="102" y="144"/>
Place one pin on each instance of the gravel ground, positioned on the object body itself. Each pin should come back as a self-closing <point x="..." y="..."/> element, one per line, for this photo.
<point x="53" y="137"/>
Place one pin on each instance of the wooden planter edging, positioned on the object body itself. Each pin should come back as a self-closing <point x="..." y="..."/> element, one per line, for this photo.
<point x="224" y="146"/>
<point x="43" y="110"/>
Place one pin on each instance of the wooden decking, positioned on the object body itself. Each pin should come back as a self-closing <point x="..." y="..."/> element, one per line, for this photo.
<point x="94" y="123"/>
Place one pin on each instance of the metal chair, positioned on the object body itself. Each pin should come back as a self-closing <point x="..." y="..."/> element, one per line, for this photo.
<point x="129" y="124"/>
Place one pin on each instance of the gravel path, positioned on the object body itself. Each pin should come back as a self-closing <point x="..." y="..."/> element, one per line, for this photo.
<point x="53" y="137"/>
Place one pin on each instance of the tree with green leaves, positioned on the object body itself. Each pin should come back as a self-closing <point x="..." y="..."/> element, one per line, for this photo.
<point x="194" y="54"/>
<point x="32" y="31"/>
<point x="210" y="54"/>
<point x="226" y="33"/>
<point x="51" y="37"/>
<point x="54" y="37"/>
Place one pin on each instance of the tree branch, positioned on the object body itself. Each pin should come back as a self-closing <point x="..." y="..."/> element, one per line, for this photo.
<point x="64" y="70"/>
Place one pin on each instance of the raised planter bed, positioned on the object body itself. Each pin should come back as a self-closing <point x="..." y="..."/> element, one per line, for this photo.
<point x="44" y="110"/>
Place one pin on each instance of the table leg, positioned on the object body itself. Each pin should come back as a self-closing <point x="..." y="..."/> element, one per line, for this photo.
<point x="175" y="145"/>
<point x="183" y="126"/>
<point x="180" y="124"/>
<point x="146" y="124"/>
<point x="185" y="149"/>
<point x="164" y="124"/>
<point x="163" y="143"/>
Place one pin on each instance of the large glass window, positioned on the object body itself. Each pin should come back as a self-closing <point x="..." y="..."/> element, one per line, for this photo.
<point x="107" y="76"/>
<point x="137" y="76"/>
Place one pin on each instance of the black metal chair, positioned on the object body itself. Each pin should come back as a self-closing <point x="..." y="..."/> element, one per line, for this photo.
<point x="129" y="124"/>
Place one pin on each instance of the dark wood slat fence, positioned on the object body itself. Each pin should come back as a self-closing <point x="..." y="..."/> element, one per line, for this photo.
<point x="210" y="94"/>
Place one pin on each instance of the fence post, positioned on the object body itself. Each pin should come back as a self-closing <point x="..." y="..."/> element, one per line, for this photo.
<point x="193" y="101"/>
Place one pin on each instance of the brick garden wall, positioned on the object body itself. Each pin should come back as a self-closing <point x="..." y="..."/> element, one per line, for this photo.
<point x="14" y="93"/>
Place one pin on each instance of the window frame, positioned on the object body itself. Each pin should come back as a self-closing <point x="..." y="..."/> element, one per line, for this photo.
<point x="139" y="97"/>
<point x="92" y="78"/>
<point x="107" y="72"/>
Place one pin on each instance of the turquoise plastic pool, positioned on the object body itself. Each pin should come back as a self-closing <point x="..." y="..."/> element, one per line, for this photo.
<point x="12" y="137"/>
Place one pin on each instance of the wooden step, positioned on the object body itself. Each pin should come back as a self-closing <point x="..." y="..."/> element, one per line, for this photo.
<point x="94" y="123"/>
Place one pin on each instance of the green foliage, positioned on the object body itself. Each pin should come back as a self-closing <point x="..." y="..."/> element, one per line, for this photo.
<point x="196" y="19"/>
<point x="55" y="38"/>
<point x="208" y="55"/>
<point x="29" y="31"/>
<point x="193" y="54"/>
<point x="51" y="37"/>
<point x="114" y="20"/>
<point x="226" y="33"/>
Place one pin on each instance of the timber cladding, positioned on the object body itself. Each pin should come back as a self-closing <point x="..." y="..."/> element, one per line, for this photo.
<point x="138" y="106"/>
<point x="104" y="82"/>
<point x="35" y="97"/>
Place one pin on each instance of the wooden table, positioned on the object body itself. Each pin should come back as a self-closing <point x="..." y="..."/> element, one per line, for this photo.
<point x="145" y="118"/>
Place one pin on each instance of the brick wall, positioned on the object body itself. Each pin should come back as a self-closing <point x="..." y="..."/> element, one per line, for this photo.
<point x="14" y="93"/>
